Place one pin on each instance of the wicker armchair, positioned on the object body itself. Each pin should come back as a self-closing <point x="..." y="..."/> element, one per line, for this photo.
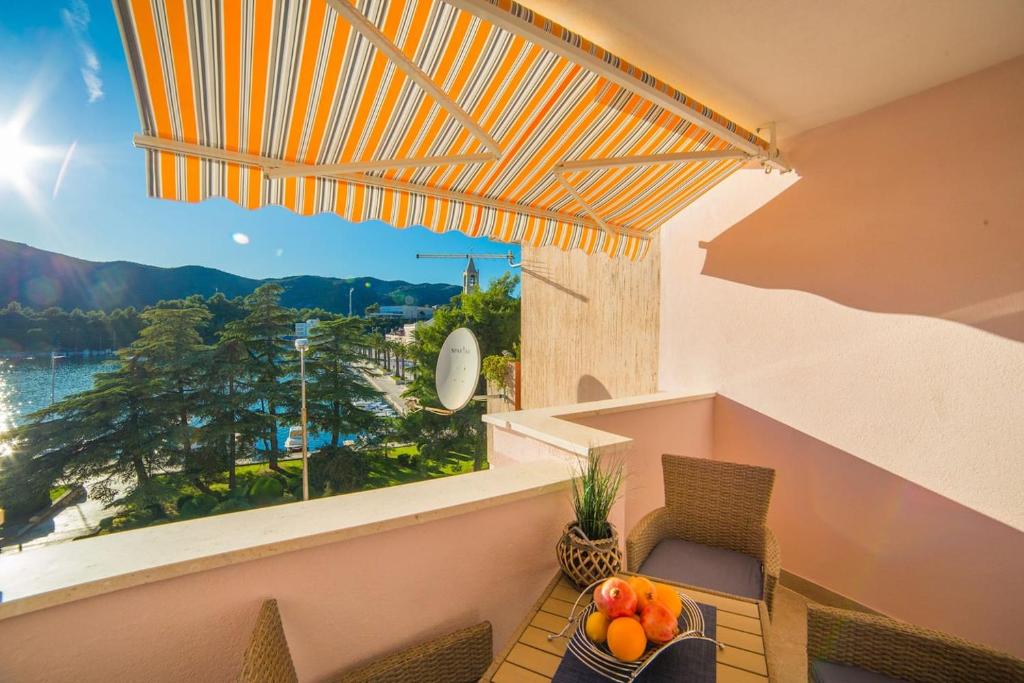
<point x="901" y="651"/>
<point x="716" y="504"/>
<point x="459" y="657"/>
<point x="267" y="658"/>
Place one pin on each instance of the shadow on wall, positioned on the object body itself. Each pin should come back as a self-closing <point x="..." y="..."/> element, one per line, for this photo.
<point x="542" y="274"/>
<point x="878" y="538"/>
<point x="887" y="218"/>
<point x="589" y="388"/>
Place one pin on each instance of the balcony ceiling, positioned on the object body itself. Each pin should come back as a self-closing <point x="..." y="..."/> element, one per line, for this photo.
<point x="800" y="63"/>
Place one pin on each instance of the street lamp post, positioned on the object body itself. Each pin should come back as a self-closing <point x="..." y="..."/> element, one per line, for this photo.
<point x="350" y="290"/>
<point x="54" y="356"/>
<point x="301" y="345"/>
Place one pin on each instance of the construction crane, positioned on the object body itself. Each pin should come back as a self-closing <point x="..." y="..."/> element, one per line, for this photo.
<point x="471" y="276"/>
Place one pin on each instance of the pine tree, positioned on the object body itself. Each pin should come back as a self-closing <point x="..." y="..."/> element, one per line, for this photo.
<point x="114" y="437"/>
<point x="261" y="332"/>
<point x="335" y="391"/>
<point x="230" y="425"/>
<point x="175" y="355"/>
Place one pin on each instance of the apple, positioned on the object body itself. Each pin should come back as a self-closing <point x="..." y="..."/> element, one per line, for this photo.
<point x="659" y="624"/>
<point x="615" y="598"/>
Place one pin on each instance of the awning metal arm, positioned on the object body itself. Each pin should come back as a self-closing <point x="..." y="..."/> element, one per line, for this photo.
<point x="265" y="163"/>
<point x="390" y="50"/>
<point x="542" y="37"/>
<point x="651" y="160"/>
<point x="584" y="204"/>
<point x="286" y="170"/>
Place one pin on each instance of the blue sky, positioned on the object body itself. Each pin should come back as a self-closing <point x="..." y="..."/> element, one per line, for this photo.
<point x="64" y="77"/>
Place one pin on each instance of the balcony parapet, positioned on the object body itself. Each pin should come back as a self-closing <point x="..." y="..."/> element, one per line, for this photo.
<point x="46" y="577"/>
<point x="556" y="426"/>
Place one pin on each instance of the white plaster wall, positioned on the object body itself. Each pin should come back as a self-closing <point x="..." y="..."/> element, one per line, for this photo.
<point x="935" y="401"/>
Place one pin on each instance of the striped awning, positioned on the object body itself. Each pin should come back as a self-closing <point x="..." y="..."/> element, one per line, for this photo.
<point x="470" y="115"/>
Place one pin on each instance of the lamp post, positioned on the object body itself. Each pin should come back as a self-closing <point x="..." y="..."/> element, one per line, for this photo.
<point x="350" y="290"/>
<point x="301" y="345"/>
<point x="54" y="356"/>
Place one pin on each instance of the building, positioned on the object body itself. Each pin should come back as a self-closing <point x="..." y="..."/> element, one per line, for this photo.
<point x="405" y="312"/>
<point x="407" y="334"/>
<point x="470" y="277"/>
<point x="303" y="329"/>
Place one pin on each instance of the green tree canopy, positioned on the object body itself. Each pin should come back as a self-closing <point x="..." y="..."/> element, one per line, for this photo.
<point x="493" y="315"/>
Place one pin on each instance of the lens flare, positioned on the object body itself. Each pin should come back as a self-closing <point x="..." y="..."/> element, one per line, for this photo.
<point x="16" y="156"/>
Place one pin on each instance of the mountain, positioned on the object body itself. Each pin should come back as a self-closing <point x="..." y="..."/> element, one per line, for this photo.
<point x="38" y="279"/>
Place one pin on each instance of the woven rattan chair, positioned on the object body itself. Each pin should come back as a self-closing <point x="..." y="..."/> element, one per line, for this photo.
<point x="716" y="507"/>
<point x="267" y="659"/>
<point x="887" y="647"/>
<point x="459" y="657"/>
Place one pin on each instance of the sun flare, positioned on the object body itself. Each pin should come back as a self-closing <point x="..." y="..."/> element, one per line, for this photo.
<point x="16" y="156"/>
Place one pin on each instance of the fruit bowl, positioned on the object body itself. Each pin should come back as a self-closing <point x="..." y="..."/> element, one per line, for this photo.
<point x="598" y="657"/>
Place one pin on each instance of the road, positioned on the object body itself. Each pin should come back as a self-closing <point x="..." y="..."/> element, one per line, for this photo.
<point x="383" y="383"/>
<point x="73" y="521"/>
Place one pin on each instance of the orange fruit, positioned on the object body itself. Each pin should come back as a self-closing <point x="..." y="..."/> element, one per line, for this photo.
<point x="668" y="598"/>
<point x="644" y="589"/>
<point x="597" y="627"/>
<point x="626" y="639"/>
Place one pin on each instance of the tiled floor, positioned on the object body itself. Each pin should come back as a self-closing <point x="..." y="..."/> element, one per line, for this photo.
<point x="787" y="645"/>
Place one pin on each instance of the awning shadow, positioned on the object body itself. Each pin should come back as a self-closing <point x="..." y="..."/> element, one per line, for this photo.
<point x="883" y="220"/>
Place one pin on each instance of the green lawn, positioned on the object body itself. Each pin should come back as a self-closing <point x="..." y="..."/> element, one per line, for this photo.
<point x="56" y="492"/>
<point x="385" y="470"/>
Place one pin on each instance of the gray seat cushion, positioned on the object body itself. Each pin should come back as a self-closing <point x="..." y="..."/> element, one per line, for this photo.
<point x="705" y="566"/>
<point x="830" y="672"/>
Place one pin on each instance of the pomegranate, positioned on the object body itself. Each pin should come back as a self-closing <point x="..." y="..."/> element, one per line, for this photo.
<point x="615" y="598"/>
<point x="659" y="624"/>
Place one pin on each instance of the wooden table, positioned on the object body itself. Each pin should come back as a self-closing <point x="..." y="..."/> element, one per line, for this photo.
<point x="532" y="658"/>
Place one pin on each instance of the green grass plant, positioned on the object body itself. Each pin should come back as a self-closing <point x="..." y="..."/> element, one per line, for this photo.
<point x="595" y="489"/>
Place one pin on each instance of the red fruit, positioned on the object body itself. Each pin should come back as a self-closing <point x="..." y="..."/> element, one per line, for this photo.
<point x="659" y="624"/>
<point x="615" y="598"/>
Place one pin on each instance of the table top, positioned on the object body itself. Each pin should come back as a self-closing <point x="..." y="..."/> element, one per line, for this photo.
<point x="532" y="658"/>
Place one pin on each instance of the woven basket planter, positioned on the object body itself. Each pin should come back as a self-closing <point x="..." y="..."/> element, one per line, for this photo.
<point x="585" y="561"/>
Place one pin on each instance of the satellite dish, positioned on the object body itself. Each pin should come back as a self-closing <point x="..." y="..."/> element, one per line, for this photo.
<point x="458" y="369"/>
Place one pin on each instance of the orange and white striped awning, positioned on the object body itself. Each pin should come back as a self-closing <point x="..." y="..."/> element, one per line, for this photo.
<point x="470" y="115"/>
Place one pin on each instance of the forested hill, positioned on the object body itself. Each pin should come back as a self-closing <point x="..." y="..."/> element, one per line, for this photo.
<point x="39" y="279"/>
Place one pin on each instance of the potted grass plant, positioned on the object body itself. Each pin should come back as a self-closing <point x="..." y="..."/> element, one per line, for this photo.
<point x="589" y="547"/>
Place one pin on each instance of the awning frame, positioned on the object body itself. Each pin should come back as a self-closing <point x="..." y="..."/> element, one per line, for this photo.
<point x="268" y="165"/>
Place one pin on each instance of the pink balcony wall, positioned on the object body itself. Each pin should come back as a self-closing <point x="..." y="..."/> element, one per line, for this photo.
<point x="342" y="604"/>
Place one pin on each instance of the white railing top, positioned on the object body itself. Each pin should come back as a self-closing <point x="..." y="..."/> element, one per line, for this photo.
<point x="556" y="426"/>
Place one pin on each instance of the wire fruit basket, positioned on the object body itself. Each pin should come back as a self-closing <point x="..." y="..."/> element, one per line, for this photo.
<point x="600" y="660"/>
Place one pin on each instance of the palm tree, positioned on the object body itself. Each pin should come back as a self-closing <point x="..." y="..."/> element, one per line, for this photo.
<point x="399" y="348"/>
